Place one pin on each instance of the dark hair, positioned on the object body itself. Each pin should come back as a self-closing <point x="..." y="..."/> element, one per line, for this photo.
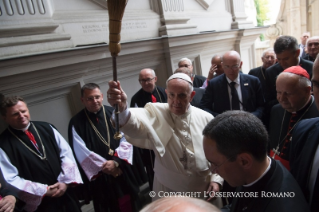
<point x="237" y="132"/>
<point x="9" y="102"/>
<point x="284" y="43"/>
<point x="89" y="86"/>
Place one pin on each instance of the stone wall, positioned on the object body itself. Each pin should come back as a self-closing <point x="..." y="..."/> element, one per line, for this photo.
<point x="48" y="53"/>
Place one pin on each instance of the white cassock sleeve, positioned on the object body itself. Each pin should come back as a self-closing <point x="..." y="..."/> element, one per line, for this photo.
<point x="29" y="192"/>
<point x="91" y="162"/>
<point x="70" y="172"/>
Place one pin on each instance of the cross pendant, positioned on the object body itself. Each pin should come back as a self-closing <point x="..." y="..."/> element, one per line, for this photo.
<point x="276" y="152"/>
<point x="111" y="152"/>
<point x="184" y="159"/>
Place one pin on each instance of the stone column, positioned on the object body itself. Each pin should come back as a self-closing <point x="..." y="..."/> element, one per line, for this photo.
<point x="239" y="16"/>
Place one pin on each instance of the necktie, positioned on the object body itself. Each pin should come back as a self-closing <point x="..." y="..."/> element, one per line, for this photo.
<point x="31" y="137"/>
<point x="314" y="205"/>
<point x="234" y="97"/>
<point x="153" y="99"/>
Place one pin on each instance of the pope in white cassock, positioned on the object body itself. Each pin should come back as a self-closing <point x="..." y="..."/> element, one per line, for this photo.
<point x="173" y="131"/>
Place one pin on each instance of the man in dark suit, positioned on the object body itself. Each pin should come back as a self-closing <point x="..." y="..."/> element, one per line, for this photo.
<point x="302" y="46"/>
<point x="312" y="48"/>
<point x="304" y="154"/>
<point x="287" y="53"/>
<point x="199" y="92"/>
<point x="198" y="80"/>
<point x="235" y="144"/>
<point x="233" y="91"/>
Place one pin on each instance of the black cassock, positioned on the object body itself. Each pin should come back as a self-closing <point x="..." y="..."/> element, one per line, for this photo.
<point x="139" y="100"/>
<point x="142" y="97"/>
<point x="106" y="191"/>
<point x="31" y="167"/>
<point x="276" y="126"/>
<point x="277" y="181"/>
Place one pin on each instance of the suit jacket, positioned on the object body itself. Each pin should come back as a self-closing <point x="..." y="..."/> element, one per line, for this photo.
<point x="305" y="140"/>
<point x="198" y="96"/>
<point x="308" y="57"/>
<point x="277" y="180"/>
<point x="216" y="97"/>
<point x="271" y="75"/>
<point x="198" y="81"/>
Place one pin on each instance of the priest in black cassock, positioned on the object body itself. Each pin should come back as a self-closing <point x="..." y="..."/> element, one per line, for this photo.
<point x="149" y="92"/>
<point x="268" y="58"/>
<point x="235" y="143"/>
<point x="37" y="161"/>
<point x="295" y="103"/>
<point x="110" y="179"/>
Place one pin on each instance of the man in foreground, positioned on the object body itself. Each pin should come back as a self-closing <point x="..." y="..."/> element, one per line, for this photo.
<point x="109" y="178"/>
<point x="235" y="143"/>
<point x="173" y="131"/>
<point x="36" y="159"/>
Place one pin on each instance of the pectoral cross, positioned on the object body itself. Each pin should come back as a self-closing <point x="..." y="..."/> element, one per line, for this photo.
<point x="111" y="152"/>
<point x="184" y="159"/>
<point x="276" y="152"/>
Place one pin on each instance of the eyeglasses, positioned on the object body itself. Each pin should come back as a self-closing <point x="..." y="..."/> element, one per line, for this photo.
<point x="234" y="67"/>
<point x="215" y="167"/>
<point x="92" y="98"/>
<point x="146" y="80"/>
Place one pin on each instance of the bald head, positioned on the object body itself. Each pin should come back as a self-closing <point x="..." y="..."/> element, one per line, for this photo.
<point x="231" y="63"/>
<point x="293" y="91"/>
<point x="147" y="79"/>
<point x="180" y="204"/>
<point x="217" y="60"/>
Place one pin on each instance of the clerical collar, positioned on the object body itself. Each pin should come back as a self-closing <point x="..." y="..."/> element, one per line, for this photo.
<point x="265" y="172"/>
<point x="94" y="112"/>
<point x="305" y="106"/>
<point x="23" y="129"/>
<point x="153" y="91"/>
<point x="237" y="80"/>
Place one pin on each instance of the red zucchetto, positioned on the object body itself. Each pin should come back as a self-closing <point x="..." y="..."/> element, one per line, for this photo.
<point x="298" y="70"/>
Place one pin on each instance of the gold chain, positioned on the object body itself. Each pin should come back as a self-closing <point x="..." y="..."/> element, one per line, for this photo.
<point x="111" y="152"/>
<point x="261" y="69"/>
<point x="159" y="95"/>
<point x="44" y="153"/>
<point x="280" y="142"/>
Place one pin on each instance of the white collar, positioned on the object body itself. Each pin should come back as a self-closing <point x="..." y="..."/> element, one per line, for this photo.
<point x="23" y="129"/>
<point x="237" y="80"/>
<point x="265" y="172"/>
